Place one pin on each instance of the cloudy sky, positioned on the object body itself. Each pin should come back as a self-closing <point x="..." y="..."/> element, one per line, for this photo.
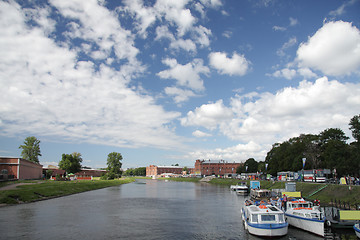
<point x="165" y="82"/>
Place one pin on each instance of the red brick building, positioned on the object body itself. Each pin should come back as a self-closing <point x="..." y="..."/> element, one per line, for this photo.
<point x="18" y="168"/>
<point x="217" y="167"/>
<point x="153" y="170"/>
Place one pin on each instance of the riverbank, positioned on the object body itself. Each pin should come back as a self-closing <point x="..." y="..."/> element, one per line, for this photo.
<point x="326" y="193"/>
<point x="31" y="191"/>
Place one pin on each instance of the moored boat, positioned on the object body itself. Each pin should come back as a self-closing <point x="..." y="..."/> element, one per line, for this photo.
<point x="357" y="229"/>
<point x="242" y="189"/>
<point x="264" y="220"/>
<point x="304" y="215"/>
<point x="260" y="194"/>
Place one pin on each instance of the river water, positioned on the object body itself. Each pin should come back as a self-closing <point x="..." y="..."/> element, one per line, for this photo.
<point x="145" y="209"/>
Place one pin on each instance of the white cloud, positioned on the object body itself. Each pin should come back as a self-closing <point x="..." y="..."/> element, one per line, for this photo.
<point x="208" y="115"/>
<point x="238" y="153"/>
<point x="54" y="94"/>
<point x="174" y="12"/>
<point x="236" y="65"/>
<point x="307" y="73"/>
<point x="99" y="26"/>
<point x="200" y="134"/>
<point x="211" y="3"/>
<point x="334" y="49"/>
<point x="285" y="73"/>
<point x="145" y="16"/>
<point x="278" y="28"/>
<point x="179" y="95"/>
<point x="187" y="75"/>
<point x="266" y="118"/>
<point x="293" y="21"/>
<point x="202" y="35"/>
<point x="281" y="52"/>
<point x="227" y="34"/>
<point x="187" y="45"/>
<point x="341" y="10"/>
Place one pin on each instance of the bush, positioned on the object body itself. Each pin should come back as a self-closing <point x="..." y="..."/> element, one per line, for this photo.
<point x="110" y="176"/>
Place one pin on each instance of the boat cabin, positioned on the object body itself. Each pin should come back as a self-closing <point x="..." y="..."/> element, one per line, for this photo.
<point x="260" y="194"/>
<point x="304" y="209"/>
<point x="265" y="214"/>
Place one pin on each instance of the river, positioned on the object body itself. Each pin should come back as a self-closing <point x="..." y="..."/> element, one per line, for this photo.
<point x="145" y="209"/>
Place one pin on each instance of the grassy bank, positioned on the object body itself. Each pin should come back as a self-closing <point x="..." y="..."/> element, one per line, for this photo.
<point x="327" y="195"/>
<point x="51" y="189"/>
<point x="311" y="191"/>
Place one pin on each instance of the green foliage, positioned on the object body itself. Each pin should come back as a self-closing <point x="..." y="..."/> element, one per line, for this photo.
<point x="114" y="165"/>
<point x="355" y="127"/>
<point x="49" y="173"/>
<point x="141" y="171"/>
<point x="251" y="164"/>
<point x="71" y="163"/>
<point x="329" y="149"/>
<point x="31" y="149"/>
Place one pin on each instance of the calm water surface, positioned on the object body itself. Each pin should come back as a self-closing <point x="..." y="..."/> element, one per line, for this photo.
<point x="145" y="209"/>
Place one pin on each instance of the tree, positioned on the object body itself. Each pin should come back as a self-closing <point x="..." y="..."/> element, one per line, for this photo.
<point x="252" y="166"/>
<point x="31" y="149"/>
<point x="140" y="171"/>
<point x="114" y="165"/>
<point x="355" y="127"/>
<point x="186" y="170"/>
<point x="71" y="163"/>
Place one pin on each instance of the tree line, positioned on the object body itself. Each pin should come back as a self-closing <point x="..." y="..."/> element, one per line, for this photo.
<point x="328" y="149"/>
<point x="71" y="163"/>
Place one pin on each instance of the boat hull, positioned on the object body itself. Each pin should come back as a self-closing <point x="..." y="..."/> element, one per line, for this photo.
<point x="242" y="191"/>
<point x="265" y="230"/>
<point x="310" y="225"/>
<point x="268" y="230"/>
<point x="357" y="230"/>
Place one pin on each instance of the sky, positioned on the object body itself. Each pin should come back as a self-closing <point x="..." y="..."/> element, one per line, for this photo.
<point x="167" y="82"/>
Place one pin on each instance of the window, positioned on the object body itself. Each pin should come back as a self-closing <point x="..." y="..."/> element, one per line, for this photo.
<point x="267" y="218"/>
<point x="4" y="171"/>
<point x="254" y="218"/>
<point x="281" y="218"/>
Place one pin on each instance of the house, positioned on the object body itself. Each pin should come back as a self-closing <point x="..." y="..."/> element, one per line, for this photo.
<point x="18" y="168"/>
<point x="154" y="170"/>
<point x="89" y="174"/>
<point x="54" y="172"/>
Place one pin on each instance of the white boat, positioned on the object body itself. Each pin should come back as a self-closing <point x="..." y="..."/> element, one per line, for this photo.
<point x="240" y="189"/>
<point x="304" y="215"/>
<point x="260" y="194"/>
<point x="357" y="229"/>
<point x="264" y="220"/>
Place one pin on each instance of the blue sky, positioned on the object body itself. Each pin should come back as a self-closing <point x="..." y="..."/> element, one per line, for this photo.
<point x="165" y="82"/>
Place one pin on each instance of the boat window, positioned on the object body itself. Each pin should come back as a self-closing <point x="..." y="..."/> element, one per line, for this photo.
<point x="281" y="218"/>
<point x="267" y="218"/>
<point x="314" y="216"/>
<point x="254" y="218"/>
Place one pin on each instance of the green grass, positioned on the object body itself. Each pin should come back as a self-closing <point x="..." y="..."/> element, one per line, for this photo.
<point x="326" y="196"/>
<point x="50" y="189"/>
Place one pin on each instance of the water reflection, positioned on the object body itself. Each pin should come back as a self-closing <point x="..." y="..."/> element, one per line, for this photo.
<point x="145" y="209"/>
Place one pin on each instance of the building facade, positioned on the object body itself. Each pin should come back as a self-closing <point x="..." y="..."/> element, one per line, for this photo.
<point x="18" y="168"/>
<point x="154" y="170"/>
<point x="217" y="167"/>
